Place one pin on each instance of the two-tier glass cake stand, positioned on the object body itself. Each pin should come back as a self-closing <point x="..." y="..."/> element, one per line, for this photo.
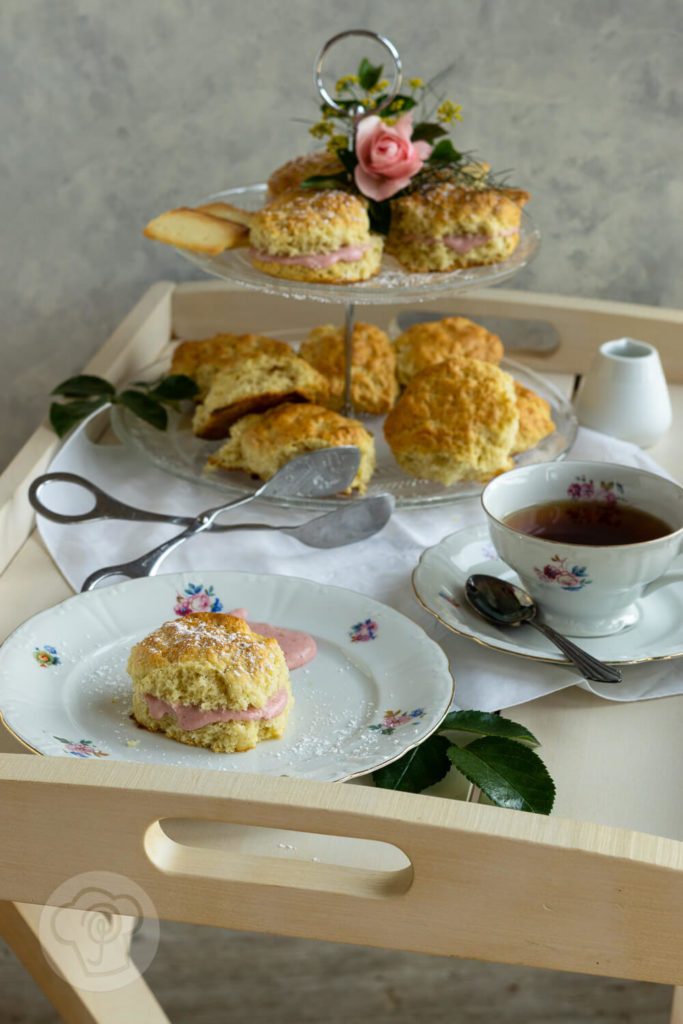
<point x="179" y="451"/>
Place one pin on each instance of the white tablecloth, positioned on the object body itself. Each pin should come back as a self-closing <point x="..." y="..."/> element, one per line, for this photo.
<point x="380" y="566"/>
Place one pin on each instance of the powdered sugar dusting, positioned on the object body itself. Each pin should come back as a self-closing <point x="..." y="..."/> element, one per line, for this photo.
<point x="207" y="634"/>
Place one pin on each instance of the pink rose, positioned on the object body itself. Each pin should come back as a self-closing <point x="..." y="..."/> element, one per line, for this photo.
<point x="387" y="159"/>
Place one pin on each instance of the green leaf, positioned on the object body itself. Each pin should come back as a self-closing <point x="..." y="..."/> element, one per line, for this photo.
<point x="380" y="216"/>
<point x="83" y="387"/>
<point x="400" y="104"/>
<point x="348" y="158"/>
<point x="444" y="153"/>
<point x="427" y="131"/>
<point x="325" y="180"/>
<point x="65" y="415"/>
<point x="487" y="724"/>
<point x="146" y="408"/>
<point x="174" y="388"/>
<point x="509" y="773"/>
<point x="419" y="768"/>
<point x="369" y="74"/>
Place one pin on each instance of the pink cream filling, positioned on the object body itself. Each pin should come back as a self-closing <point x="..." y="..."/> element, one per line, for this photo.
<point x="460" y="243"/>
<point x="297" y="647"/>
<point x="190" y="716"/>
<point x="314" y="260"/>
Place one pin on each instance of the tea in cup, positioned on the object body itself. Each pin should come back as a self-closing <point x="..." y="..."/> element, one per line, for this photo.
<point x="587" y="539"/>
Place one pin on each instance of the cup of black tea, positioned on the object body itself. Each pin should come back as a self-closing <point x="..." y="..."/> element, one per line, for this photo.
<point x="588" y="540"/>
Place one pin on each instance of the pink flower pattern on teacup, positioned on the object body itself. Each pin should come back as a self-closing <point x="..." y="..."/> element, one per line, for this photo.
<point x="556" y="571"/>
<point x="609" y="491"/>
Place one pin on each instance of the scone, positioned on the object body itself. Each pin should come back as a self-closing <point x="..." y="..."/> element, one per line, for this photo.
<point x="446" y="227"/>
<point x="373" y="366"/>
<point x="424" y="344"/>
<point x="202" y="359"/>
<point x="456" y="420"/>
<point x="321" y="236"/>
<point x="208" y="680"/>
<point x="253" y="384"/>
<point x="289" y="176"/>
<point x="260" y="444"/>
<point x="535" y="420"/>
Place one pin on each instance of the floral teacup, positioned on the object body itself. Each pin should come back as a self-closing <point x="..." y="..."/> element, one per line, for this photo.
<point x="586" y="589"/>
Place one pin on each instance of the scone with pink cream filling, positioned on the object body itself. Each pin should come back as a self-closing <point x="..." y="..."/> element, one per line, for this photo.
<point x="443" y="226"/>
<point x="322" y="236"/>
<point x="208" y="680"/>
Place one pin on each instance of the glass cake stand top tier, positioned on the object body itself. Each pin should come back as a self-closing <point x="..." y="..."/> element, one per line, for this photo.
<point x="392" y="284"/>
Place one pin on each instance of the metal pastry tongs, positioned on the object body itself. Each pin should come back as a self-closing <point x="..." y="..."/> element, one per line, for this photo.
<point x="314" y="474"/>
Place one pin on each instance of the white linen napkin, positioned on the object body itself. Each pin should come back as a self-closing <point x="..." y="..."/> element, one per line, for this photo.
<point x="380" y="566"/>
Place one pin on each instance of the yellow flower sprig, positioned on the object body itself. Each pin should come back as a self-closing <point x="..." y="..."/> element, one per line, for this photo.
<point x="368" y="88"/>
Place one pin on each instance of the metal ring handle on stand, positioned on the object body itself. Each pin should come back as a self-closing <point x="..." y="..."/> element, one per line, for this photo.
<point x="356" y="112"/>
<point x="359" y="109"/>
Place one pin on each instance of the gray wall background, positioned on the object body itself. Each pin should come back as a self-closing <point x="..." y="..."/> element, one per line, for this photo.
<point x="112" y="112"/>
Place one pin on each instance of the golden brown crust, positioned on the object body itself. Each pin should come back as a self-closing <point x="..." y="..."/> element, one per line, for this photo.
<point x="424" y="344"/>
<point x="202" y="359"/>
<point x="535" y="419"/>
<point x="261" y="444"/>
<point x="310" y="226"/>
<point x="456" y="420"/>
<point x="253" y="384"/>
<point x="373" y="366"/>
<point x="433" y="228"/>
<point x="197" y="231"/>
<point x="290" y="175"/>
<point x="243" y="663"/>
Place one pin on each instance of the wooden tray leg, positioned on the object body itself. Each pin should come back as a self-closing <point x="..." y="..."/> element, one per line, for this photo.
<point x="677" y="1006"/>
<point x="19" y="926"/>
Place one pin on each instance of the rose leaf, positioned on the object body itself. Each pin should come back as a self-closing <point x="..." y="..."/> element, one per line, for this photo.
<point x="508" y="773"/>
<point x="427" y="132"/>
<point x="419" y="768"/>
<point x="84" y="386"/>
<point x="146" y="408"/>
<point x="487" y="724"/>
<point x="173" y="388"/>
<point x="369" y="74"/>
<point x="65" y="415"/>
<point x="444" y="153"/>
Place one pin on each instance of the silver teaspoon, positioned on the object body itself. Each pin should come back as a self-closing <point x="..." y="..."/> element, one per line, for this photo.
<point x="505" y="604"/>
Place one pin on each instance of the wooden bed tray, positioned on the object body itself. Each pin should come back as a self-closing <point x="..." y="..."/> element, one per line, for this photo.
<point x="595" y="888"/>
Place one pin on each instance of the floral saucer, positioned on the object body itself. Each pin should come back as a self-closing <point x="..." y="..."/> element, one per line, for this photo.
<point x="439" y="585"/>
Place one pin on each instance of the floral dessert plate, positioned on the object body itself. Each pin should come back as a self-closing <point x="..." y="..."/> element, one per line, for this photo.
<point x="439" y="585"/>
<point x="392" y="284"/>
<point x="376" y="687"/>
